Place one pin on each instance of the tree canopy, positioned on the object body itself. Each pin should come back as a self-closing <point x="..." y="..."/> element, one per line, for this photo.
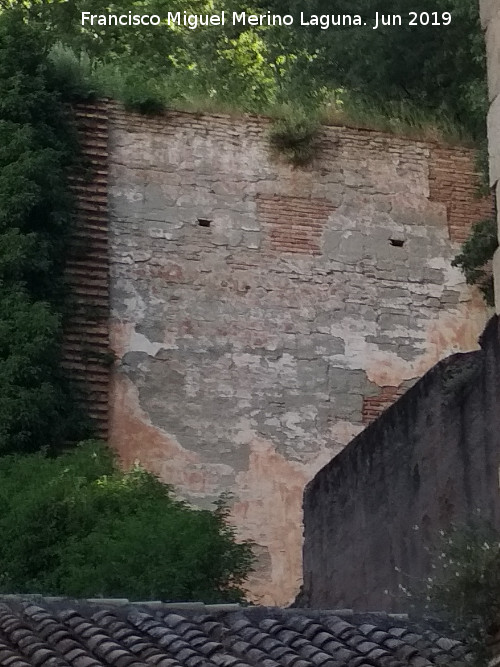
<point x="76" y="525"/>
<point x="440" y="69"/>
<point x="36" y="149"/>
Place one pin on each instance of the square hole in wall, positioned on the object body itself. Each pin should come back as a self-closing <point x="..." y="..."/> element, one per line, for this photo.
<point x="204" y="222"/>
<point x="397" y="243"/>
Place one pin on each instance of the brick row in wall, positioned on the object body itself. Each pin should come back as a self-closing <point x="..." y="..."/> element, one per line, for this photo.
<point x="86" y="337"/>
<point x="453" y="180"/>
<point x="229" y="129"/>
<point x="294" y="224"/>
<point x="374" y="406"/>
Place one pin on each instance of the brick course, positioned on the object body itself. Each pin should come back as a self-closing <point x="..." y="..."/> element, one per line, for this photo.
<point x="86" y="337"/>
<point x="454" y="182"/>
<point x="293" y="224"/>
<point x="374" y="406"/>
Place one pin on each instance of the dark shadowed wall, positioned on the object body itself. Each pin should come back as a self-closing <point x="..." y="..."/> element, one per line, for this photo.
<point x="430" y="459"/>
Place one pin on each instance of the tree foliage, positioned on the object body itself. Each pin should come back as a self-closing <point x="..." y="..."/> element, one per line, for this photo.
<point x="440" y="69"/>
<point x="475" y="257"/>
<point x="76" y="525"/>
<point x="36" y="148"/>
<point x="465" y="586"/>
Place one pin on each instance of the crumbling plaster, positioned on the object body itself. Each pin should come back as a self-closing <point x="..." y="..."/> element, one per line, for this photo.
<point x="247" y="350"/>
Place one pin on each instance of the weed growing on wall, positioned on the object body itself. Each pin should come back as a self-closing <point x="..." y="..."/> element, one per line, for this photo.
<point x="141" y="95"/>
<point x="295" y="136"/>
<point x="37" y="147"/>
<point x="476" y="255"/>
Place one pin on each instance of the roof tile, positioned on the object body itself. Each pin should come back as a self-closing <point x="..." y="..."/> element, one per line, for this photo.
<point x="38" y="632"/>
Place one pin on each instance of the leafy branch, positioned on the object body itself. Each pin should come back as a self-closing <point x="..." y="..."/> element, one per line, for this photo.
<point x="476" y="255"/>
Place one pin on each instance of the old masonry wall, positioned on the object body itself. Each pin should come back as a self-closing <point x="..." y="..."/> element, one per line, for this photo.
<point x="490" y="18"/>
<point x="262" y="315"/>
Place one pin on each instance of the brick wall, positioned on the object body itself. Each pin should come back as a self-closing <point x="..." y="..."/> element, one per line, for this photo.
<point x="86" y="339"/>
<point x="453" y="181"/>
<point x="293" y="224"/>
<point x="374" y="406"/>
<point x="261" y="314"/>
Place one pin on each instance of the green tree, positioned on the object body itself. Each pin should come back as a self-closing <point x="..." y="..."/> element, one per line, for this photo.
<point x="476" y="255"/>
<point x="226" y="63"/>
<point x="76" y="525"/>
<point x="435" y="67"/>
<point x="464" y="588"/>
<point x="36" y="149"/>
<point x="439" y="69"/>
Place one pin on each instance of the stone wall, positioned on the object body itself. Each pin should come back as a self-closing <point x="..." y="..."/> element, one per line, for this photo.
<point x="431" y="459"/>
<point x="490" y="16"/>
<point x="262" y="315"/>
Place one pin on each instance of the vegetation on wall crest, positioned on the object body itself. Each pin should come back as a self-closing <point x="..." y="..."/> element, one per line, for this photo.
<point x="296" y="137"/>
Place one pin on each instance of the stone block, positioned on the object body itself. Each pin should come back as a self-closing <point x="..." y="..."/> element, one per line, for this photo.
<point x="348" y="406"/>
<point x="251" y="240"/>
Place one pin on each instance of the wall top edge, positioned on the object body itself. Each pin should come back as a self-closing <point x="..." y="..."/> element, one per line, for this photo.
<point x="113" y="107"/>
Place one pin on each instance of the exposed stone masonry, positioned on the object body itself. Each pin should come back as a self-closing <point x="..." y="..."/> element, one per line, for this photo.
<point x="261" y="315"/>
<point x="373" y="406"/>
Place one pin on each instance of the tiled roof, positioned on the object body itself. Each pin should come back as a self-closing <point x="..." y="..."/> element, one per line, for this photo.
<point x="51" y="632"/>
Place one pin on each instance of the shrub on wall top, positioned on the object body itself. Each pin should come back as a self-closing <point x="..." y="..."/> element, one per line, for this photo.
<point x="464" y="588"/>
<point x="295" y="136"/>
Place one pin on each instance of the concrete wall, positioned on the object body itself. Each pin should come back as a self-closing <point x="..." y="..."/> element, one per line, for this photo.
<point x="431" y="459"/>
<point x="490" y="16"/>
<point x="252" y="350"/>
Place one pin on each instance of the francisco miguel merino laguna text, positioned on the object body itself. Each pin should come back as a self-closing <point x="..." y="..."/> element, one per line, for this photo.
<point x="323" y="21"/>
